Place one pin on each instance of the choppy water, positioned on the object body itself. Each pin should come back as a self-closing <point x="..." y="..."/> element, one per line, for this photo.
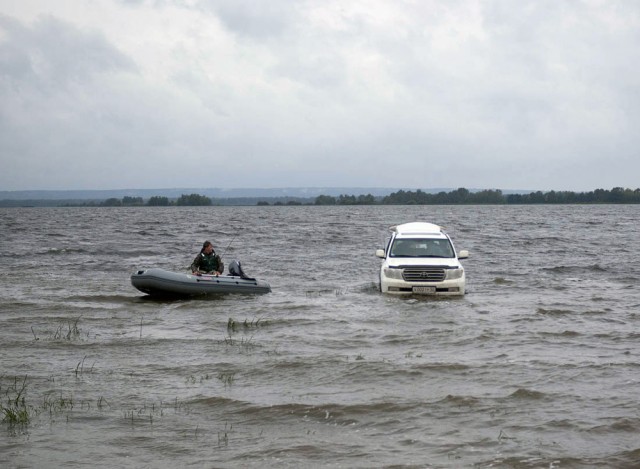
<point x="537" y="366"/>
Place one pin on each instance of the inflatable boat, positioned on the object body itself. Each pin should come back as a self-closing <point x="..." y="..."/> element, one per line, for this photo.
<point x="163" y="283"/>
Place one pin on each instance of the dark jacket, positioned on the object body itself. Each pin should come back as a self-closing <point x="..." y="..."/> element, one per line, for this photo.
<point x="207" y="263"/>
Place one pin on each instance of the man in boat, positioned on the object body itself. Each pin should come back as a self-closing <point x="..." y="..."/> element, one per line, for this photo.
<point x="207" y="261"/>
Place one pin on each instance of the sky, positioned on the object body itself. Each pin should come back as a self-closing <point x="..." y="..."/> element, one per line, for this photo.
<point x="482" y="94"/>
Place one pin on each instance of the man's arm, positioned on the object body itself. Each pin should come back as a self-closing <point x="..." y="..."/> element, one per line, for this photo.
<point x="195" y="265"/>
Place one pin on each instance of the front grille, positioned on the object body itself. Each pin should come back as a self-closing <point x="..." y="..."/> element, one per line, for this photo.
<point x="423" y="274"/>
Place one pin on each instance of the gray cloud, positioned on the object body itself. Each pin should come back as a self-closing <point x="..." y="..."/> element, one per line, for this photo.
<point x="53" y="76"/>
<point x="53" y="55"/>
<point x="488" y="94"/>
<point x="258" y="20"/>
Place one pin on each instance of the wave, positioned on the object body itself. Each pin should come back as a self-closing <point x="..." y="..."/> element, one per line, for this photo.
<point x="627" y="459"/>
<point x="565" y="333"/>
<point x="502" y="281"/>
<point x="624" y="459"/>
<point x="66" y="251"/>
<point x="564" y="269"/>
<point x="100" y="298"/>
<point x="460" y="401"/>
<point x="619" y="425"/>
<point x="333" y="411"/>
<point x="536" y="462"/>
<point x="527" y="394"/>
<point x="443" y="367"/>
<point x="318" y="455"/>
<point x="554" y="312"/>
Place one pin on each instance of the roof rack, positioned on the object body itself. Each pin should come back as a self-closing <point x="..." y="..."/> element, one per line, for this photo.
<point x="416" y="228"/>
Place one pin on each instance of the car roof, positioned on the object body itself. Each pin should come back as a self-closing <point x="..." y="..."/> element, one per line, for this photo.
<point x="417" y="228"/>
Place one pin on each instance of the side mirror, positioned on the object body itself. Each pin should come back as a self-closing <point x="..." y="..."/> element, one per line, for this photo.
<point x="464" y="254"/>
<point x="380" y="253"/>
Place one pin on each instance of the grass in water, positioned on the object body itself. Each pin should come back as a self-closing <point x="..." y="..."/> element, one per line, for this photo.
<point x="227" y="378"/>
<point x="80" y="368"/>
<point x="234" y="325"/>
<point x="16" y="412"/>
<point x="73" y="331"/>
<point x="245" y="344"/>
<point x="68" y="331"/>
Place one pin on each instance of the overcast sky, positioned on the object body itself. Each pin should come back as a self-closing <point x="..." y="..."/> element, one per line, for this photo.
<point x="495" y="94"/>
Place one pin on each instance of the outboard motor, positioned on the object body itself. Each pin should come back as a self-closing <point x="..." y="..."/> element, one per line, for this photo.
<point x="235" y="269"/>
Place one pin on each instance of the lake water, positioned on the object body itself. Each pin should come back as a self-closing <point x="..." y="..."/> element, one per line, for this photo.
<point x="537" y="366"/>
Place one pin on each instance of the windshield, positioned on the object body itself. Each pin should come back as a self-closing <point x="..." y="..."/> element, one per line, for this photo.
<point x="414" y="247"/>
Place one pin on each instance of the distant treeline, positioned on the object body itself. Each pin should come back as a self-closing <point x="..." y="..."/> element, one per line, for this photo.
<point x="617" y="195"/>
<point x="155" y="201"/>
<point x="158" y="201"/>
<point x="191" y="200"/>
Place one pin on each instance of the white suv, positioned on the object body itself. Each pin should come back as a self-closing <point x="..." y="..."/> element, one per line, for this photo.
<point x="420" y="259"/>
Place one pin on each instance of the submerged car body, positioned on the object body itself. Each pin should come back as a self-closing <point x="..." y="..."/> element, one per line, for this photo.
<point x="420" y="259"/>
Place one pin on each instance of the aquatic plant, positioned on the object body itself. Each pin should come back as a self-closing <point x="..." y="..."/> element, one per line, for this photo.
<point x="233" y="325"/>
<point x="147" y="412"/>
<point x="16" y="412"/>
<point x="18" y="415"/>
<point x="66" y="331"/>
<point x="244" y="343"/>
<point x="101" y="402"/>
<point x="223" y="435"/>
<point x="80" y="367"/>
<point x="191" y="379"/>
<point x="57" y="405"/>
<point x="73" y="331"/>
<point x="504" y="436"/>
<point x="227" y="377"/>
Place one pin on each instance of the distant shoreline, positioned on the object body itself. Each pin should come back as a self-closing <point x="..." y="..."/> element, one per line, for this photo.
<point x="461" y="196"/>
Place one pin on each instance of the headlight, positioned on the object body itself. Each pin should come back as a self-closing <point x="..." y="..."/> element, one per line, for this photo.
<point x="393" y="273"/>
<point x="453" y="274"/>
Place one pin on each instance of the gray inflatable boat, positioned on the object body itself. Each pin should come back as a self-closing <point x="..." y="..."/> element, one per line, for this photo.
<point x="163" y="283"/>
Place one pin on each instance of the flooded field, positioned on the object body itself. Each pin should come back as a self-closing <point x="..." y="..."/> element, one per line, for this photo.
<point x="536" y="366"/>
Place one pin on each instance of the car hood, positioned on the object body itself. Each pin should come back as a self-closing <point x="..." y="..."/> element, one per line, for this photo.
<point x="430" y="261"/>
